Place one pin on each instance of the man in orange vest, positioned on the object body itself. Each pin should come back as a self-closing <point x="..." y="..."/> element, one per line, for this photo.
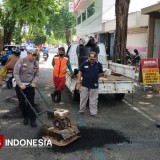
<point x="60" y="63"/>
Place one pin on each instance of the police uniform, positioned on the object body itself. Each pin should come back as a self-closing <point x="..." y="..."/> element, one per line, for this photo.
<point x="25" y="73"/>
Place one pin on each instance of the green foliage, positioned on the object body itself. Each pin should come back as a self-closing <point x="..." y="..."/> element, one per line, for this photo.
<point x="15" y="14"/>
<point x="38" y="40"/>
<point x="61" y="23"/>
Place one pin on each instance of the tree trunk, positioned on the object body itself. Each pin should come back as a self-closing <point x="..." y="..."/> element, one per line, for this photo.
<point x="68" y="36"/>
<point x="121" y="10"/>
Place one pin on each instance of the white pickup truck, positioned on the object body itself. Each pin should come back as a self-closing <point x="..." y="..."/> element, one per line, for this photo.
<point x="119" y="79"/>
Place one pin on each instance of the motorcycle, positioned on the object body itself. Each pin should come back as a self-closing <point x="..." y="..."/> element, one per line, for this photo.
<point x="128" y="57"/>
<point x="8" y="79"/>
<point x="133" y="60"/>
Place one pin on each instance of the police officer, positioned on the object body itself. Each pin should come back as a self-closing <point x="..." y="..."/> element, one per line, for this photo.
<point x="89" y="70"/>
<point x="26" y="73"/>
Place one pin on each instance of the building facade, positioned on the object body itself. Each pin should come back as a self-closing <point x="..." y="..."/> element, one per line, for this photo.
<point x="97" y="17"/>
<point x="153" y="44"/>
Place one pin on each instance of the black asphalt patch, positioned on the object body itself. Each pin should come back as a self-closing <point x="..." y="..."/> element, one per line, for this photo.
<point x="91" y="138"/>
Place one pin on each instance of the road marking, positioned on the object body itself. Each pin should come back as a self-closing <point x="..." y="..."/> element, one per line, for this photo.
<point x="98" y="154"/>
<point x="142" y="112"/>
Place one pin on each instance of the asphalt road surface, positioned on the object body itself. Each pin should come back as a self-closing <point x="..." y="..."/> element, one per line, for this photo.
<point x="118" y="133"/>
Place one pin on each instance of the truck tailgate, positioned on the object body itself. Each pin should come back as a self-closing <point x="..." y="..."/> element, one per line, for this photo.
<point x="116" y="83"/>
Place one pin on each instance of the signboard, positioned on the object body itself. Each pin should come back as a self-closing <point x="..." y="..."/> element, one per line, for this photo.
<point x="71" y="6"/>
<point x="150" y="70"/>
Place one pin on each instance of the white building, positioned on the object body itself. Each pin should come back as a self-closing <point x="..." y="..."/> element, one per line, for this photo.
<point x="97" y="17"/>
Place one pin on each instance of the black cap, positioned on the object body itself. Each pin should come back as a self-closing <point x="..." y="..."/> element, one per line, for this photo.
<point x="61" y="49"/>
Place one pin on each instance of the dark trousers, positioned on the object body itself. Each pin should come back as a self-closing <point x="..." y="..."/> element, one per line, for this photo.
<point x="27" y="112"/>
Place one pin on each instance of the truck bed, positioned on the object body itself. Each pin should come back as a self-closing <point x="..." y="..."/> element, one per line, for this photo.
<point x="115" y="77"/>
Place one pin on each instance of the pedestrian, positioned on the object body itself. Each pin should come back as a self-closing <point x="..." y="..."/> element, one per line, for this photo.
<point x="89" y="71"/>
<point x="13" y="58"/>
<point x="85" y="47"/>
<point x="60" y="63"/>
<point x="26" y="73"/>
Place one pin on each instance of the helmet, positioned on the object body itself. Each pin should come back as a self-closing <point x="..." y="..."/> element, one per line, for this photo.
<point x="92" y="55"/>
<point x="91" y="38"/>
<point x="136" y="51"/>
<point x="31" y="50"/>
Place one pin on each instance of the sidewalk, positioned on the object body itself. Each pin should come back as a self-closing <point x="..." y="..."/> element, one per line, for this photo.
<point x="146" y="101"/>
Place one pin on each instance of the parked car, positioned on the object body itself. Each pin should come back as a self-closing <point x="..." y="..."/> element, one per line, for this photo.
<point x="6" y="52"/>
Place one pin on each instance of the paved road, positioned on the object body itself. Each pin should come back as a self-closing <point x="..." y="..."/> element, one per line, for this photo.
<point x="122" y="131"/>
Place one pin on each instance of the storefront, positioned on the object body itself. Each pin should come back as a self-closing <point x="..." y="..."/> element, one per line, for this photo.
<point x="153" y="44"/>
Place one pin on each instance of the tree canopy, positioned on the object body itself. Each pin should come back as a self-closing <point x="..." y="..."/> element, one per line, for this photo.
<point x="31" y="19"/>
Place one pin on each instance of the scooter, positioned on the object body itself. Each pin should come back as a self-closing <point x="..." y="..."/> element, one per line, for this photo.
<point x="128" y="57"/>
<point x="133" y="60"/>
<point x="8" y="79"/>
<point x="45" y="57"/>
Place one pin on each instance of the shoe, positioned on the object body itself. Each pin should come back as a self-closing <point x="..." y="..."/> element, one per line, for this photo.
<point x="94" y="115"/>
<point x="25" y="121"/>
<point x="81" y="112"/>
<point x="52" y="95"/>
<point x="33" y="124"/>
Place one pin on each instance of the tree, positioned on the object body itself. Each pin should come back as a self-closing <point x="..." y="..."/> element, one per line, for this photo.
<point x="33" y="14"/>
<point x="121" y="11"/>
<point x="62" y="24"/>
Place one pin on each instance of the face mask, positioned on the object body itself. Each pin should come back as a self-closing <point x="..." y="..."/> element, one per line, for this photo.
<point x="61" y="55"/>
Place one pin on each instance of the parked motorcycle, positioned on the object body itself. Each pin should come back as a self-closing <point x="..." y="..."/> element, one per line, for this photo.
<point x="128" y="57"/>
<point x="133" y="60"/>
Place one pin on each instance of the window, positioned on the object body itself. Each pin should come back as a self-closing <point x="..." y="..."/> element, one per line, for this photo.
<point x="83" y="16"/>
<point x="91" y="10"/>
<point x="79" y="20"/>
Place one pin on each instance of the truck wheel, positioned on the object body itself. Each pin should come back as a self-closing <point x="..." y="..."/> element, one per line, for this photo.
<point x="76" y="95"/>
<point x="119" y="96"/>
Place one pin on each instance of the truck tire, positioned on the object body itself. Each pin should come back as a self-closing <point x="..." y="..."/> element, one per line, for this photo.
<point x="76" y="95"/>
<point x="119" y="96"/>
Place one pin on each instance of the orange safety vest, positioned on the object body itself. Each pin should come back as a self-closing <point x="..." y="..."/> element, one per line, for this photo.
<point x="60" y="66"/>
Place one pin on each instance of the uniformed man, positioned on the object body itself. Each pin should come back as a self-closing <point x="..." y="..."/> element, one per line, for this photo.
<point x="90" y="71"/>
<point x="26" y="73"/>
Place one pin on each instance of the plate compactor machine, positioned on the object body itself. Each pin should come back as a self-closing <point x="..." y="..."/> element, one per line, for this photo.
<point x="62" y="132"/>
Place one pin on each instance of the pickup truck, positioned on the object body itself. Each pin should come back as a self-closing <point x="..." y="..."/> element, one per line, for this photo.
<point x="118" y="80"/>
